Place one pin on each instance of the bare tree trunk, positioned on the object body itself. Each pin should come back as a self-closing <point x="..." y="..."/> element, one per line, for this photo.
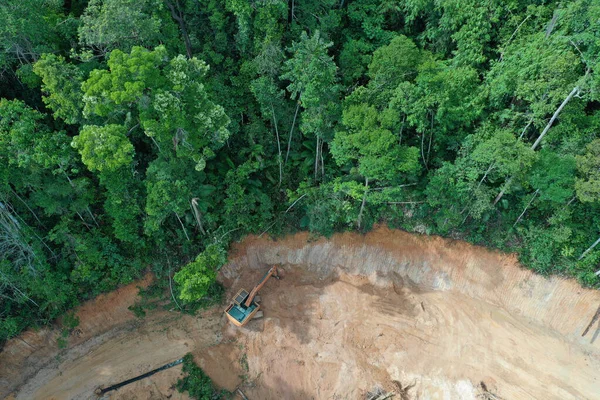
<point x="92" y="215"/>
<point x="504" y="189"/>
<point x="569" y="202"/>
<point x="486" y="174"/>
<point x="422" y="152"/>
<point x="551" y="25"/>
<point x="182" y="226"/>
<point x="278" y="147"/>
<point x="402" y="130"/>
<point x="539" y="139"/>
<point x="525" y="129"/>
<point x="594" y="319"/>
<point x="558" y="110"/>
<point x="83" y="220"/>
<point x="589" y="249"/>
<point x="317" y="158"/>
<point x="430" y="139"/>
<point x="513" y="35"/>
<point x="478" y="185"/>
<point x="87" y="208"/>
<point x="16" y="289"/>
<point x="171" y="288"/>
<point x="526" y="207"/>
<point x="322" y="162"/>
<point x="362" y="206"/>
<point x="291" y="132"/>
<point x="178" y="16"/>
<point x="26" y="205"/>
<point x="197" y="214"/>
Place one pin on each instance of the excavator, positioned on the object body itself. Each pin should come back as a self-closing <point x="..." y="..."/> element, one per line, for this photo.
<point x="245" y="306"/>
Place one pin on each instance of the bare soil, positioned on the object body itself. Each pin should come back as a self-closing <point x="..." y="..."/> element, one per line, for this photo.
<point x="350" y="315"/>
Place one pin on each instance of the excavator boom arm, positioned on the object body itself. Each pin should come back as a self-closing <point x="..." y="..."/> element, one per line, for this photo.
<point x="272" y="271"/>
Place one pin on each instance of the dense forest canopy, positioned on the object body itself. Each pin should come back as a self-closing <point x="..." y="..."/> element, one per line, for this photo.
<point x="147" y="134"/>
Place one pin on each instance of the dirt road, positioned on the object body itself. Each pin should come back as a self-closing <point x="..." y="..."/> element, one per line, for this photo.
<point x="351" y="314"/>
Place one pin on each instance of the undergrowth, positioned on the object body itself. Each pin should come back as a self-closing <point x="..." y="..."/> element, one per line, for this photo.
<point x="198" y="385"/>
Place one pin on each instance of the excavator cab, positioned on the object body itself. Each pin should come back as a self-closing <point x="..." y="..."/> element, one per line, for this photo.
<point x="244" y="307"/>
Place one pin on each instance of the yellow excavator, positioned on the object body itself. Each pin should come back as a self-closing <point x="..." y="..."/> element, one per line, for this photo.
<point x="245" y="306"/>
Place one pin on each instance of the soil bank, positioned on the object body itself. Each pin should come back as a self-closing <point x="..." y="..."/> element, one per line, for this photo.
<point x="351" y="314"/>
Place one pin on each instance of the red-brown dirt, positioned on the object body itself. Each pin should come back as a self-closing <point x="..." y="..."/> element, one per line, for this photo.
<point x="350" y="314"/>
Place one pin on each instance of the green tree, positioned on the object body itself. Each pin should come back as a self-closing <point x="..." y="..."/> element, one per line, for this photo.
<point x="104" y="148"/>
<point x="196" y="277"/>
<point x="122" y="24"/>
<point x="62" y="82"/>
<point x="29" y="28"/>
<point x="588" y="165"/>
<point x="313" y="81"/>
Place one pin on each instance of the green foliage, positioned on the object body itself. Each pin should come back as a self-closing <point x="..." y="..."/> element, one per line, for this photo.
<point x="374" y="148"/>
<point x="312" y="75"/>
<point x="196" y="278"/>
<point x="394" y="63"/>
<point x="196" y="383"/>
<point x="137" y="133"/>
<point x="62" y="82"/>
<point x="554" y="176"/>
<point x="588" y="164"/>
<point x="104" y="148"/>
<point x="28" y="29"/>
<point x="122" y="24"/>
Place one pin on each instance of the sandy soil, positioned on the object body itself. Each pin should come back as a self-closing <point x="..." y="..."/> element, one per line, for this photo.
<point x="350" y="314"/>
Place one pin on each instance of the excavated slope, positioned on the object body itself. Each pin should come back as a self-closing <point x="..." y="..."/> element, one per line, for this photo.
<point x="350" y="314"/>
<point x="359" y="311"/>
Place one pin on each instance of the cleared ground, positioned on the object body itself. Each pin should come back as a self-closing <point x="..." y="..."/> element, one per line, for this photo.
<point x="351" y="314"/>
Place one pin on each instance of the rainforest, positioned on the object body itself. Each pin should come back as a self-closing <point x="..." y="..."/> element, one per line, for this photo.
<point x="146" y="135"/>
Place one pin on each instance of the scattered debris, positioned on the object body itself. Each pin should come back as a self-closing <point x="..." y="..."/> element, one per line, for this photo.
<point x="594" y="319"/>
<point x="242" y="394"/>
<point x="403" y="391"/>
<point x="486" y="394"/>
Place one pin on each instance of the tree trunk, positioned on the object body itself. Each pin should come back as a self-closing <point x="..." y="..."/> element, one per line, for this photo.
<point x="558" y="110"/>
<point x="322" y="161"/>
<point x="513" y="35"/>
<point x="362" y="206"/>
<point x="182" y="226"/>
<point x="316" y="158"/>
<point x="526" y="207"/>
<point x="177" y="16"/>
<point x="16" y="289"/>
<point x="287" y="154"/>
<point x="430" y="140"/>
<point x="293" y="16"/>
<point x="88" y="207"/>
<point x="594" y="319"/>
<point x="539" y="139"/>
<point x="589" y="249"/>
<point x="278" y="147"/>
<point x="422" y="152"/>
<point x="478" y="185"/>
<point x="197" y="214"/>
<point x="525" y="129"/>
<point x="26" y="205"/>
<point x="401" y="130"/>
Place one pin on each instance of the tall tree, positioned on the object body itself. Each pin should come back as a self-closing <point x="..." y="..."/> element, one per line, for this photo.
<point x="313" y="81"/>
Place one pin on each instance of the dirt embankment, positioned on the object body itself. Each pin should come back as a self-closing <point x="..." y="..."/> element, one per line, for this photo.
<point x="350" y="314"/>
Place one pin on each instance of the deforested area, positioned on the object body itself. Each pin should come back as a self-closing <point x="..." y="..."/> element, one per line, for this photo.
<point x="350" y="317"/>
<point x="142" y="140"/>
